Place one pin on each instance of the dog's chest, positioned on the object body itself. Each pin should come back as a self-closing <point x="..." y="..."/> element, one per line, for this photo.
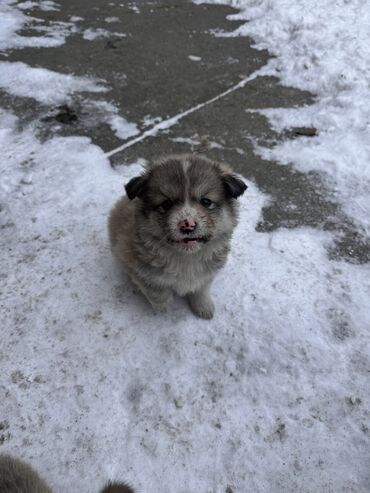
<point x="185" y="275"/>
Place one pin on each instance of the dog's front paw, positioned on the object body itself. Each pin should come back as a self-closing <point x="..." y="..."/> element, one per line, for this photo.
<point x="201" y="305"/>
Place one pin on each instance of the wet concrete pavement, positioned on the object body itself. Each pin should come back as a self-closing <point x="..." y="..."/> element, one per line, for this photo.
<point x="168" y="61"/>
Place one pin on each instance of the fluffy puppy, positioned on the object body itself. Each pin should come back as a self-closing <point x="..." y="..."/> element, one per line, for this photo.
<point x="18" y="477"/>
<point x="172" y="231"/>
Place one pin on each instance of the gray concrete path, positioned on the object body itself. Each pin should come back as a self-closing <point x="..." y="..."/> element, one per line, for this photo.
<point x="152" y="73"/>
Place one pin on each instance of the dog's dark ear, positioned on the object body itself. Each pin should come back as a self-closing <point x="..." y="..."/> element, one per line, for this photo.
<point x="136" y="186"/>
<point x="234" y="186"/>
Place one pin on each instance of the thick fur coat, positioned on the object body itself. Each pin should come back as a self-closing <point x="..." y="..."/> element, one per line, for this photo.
<point x="172" y="231"/>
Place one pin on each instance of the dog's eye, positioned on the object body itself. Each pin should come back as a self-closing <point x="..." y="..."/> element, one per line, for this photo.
<point x="165" y="205"/>
<point x="207" y="203"/>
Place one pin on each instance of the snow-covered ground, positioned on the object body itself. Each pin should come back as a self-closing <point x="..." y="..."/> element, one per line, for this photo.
<point x="273" y="394"/>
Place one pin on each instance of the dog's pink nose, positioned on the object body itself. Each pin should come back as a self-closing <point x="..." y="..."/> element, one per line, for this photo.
<point x="187" y="226"/>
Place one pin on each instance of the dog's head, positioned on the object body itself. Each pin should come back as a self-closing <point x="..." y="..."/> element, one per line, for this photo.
<point x="186" y="201"/>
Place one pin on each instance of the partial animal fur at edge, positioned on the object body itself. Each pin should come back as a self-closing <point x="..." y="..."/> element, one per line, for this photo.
<point x="17" y="476"/>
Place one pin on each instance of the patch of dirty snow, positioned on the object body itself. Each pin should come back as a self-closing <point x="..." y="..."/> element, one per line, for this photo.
<point x="13" y="20"/>
<point x="53" y="88"/>
<point x="195" y="58"/>
<point x="109" y="20"/>
<point x="133" y="7"/>
<point x="92" y="34"/>
<point x="77" y="18"/>
<point x="108" y="113"/>
<point x="46" y="5"/>
<point x="149" y="120"/>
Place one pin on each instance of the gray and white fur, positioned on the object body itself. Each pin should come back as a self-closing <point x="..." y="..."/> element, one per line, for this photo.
<point x="172" y="231"/>
<point x="17" y="476"/>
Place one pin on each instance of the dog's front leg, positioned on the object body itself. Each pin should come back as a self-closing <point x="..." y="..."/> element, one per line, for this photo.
<point x="201" y="303"/>
<point x="158" y="297"/>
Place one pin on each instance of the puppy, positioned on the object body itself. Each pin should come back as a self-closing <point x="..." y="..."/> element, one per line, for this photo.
<point x="172" y="232"/>
<point x="18" y="477"/>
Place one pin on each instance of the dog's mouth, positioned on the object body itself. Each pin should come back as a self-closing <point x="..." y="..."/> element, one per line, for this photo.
<point x="190" y="242"/>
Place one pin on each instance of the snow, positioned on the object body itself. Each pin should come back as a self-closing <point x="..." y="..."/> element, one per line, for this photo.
<point x="322" y="47"/>
<point x="195" y="58"/>
<point x="273" y="394"/>
<point x="132" y="7"/>
<point x="120" y="126"/>
<point x="109" y="20"/>
<point x="45" y="5"/>
<point x="53" y="88"/>
<point x="340" y="152"/>
<point x="92" y="34"/>
<point x="13" y="20"/>
<point x="76" y="18"/>
<point x="149" y="120"/>
<point x="46" y="86"/>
